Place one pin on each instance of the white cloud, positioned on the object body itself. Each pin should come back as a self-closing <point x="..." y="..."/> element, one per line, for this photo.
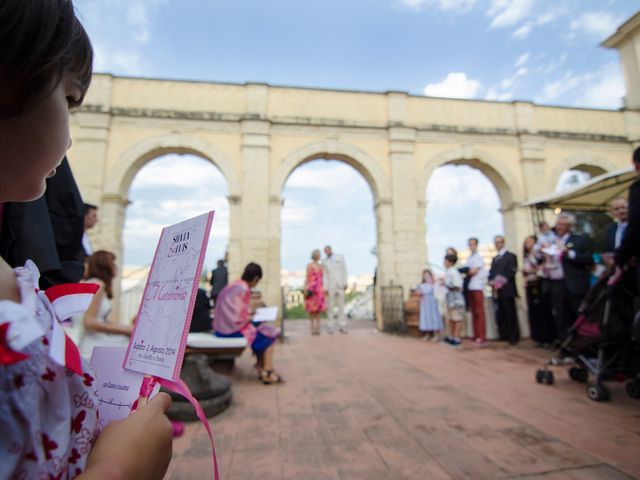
<point x="324" y="176"/>
<point x="552" y="65"/>
<point x="496" y="94"/>
<point x="551" y="15"/>
<point x="452" y="218"/>
<point x="603" y="88"/>
<point x="180" y="171"/>
<point x="294" y="213"/>
<point x="598" y="24"/>
<point x="504" y="89"/>
<point x="522" y="59"/>
<point x="447" y="5"/>
<point x="455" y="85"/>
<point x="123" y="61"/>
<point x="523" y="32"/>
<point x="168" y="190"/>
<point x="605" y="91"/>
<point x="508" y="13"/>
<point x="553" y="90"/>
<point x="135" y="14"/>
<point x="328" y="203"/>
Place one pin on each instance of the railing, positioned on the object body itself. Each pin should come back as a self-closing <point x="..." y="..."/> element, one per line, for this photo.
<point x="293" y="298"/>
<point x="130" y="302"/>
<point x="392" y="306"/>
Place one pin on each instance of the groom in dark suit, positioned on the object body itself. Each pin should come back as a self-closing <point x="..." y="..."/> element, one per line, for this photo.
<point x="618" y="209"/>
<point x="502" y="277"/>
<point x="577" y="259"/>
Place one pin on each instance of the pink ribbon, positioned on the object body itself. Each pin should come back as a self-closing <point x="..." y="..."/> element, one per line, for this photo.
<point x="181" y="388"/>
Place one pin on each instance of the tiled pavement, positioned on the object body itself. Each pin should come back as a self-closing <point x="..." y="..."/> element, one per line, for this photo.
<point x="373" y="406"/>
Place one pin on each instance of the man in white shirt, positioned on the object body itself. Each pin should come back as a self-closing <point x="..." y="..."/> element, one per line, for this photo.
<point x="478" y="276"/>
<point x="90" y="220"/>
<point x="335" y="283"/>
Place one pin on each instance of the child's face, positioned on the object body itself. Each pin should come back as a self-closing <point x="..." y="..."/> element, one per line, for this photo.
<point x="34" y="144"/>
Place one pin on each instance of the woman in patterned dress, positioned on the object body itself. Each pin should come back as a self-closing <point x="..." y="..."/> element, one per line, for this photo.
<point x="314" y="302"/>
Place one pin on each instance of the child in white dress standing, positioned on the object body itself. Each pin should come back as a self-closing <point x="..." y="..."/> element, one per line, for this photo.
<point x="430" y="318"/>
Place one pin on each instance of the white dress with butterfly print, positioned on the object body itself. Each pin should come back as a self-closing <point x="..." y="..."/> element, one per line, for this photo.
<point x="48" y="414"/>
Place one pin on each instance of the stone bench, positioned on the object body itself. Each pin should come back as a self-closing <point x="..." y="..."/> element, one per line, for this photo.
<point x="212" y="390"/>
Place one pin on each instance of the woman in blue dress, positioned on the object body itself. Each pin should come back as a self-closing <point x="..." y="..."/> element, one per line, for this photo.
<point x="430" y="318"/>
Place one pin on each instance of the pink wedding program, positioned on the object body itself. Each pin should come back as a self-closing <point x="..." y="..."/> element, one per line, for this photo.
<point x="159" y="338"/>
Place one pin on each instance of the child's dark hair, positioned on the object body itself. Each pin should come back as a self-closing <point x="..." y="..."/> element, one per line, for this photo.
<point x="451" y="259"/>
<point x="251" y="272"/>
<point x="41" y="39"/>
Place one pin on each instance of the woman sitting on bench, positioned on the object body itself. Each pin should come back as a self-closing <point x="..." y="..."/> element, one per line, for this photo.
<point x="233" y="317"/>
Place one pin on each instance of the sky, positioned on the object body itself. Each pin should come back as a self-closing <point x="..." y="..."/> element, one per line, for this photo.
<point x="546" y="51"/>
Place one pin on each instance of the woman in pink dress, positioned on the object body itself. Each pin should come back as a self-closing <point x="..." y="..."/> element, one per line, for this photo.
<point x="314" y="302"/>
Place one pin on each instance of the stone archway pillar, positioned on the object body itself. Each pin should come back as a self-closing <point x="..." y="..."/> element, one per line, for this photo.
<point x="386" y="272"/>
<point x="255" y="214"/>
<point x="408" y="248"/>
<point x="111" y="222"/>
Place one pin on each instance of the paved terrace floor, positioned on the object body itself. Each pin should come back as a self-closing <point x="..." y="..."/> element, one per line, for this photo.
<point x="373" y="406"/>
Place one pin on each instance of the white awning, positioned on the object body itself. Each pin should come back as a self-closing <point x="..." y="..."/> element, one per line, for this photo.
<point x="593" y="195"/>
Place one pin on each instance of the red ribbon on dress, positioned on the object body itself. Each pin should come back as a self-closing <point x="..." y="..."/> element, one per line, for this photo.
<point x="8" y="356"/>
<point x="66" y="300"/>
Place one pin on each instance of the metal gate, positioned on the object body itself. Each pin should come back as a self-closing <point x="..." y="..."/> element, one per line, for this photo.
<point x="392" y="306"/>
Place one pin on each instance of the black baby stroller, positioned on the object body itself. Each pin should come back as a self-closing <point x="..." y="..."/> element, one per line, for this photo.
<point x="600" y="342"/>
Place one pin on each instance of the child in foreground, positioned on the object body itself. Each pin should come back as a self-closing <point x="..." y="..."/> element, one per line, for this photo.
<point x="454" y="300"/>
<point x="49" y="413"/>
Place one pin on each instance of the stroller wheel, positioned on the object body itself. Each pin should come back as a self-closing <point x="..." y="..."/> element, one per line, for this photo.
<point x="633" y="388"/>
<point x="598" y="392"/>
<point x="578" y="374"/>
<point x="540" y="374"/>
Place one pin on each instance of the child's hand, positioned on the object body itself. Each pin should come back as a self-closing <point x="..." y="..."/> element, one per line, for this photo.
<point x="140" y="446"/>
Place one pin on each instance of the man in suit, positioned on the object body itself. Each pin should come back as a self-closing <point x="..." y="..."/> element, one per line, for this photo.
<point x="201" y="320"/>
<point x="575" y="253"/>
<point x="219" y="280"/>
<point x="335" y="283"/>
<point x="630" y="245"/>
<point x="618" y="209"/>
<point x="47" y="230"/>
<point x="502" y="277"/>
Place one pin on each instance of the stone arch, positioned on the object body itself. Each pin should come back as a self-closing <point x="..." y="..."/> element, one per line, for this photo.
<point x="132" y="161"/>
<point x="349" y="154"/>
<point x="586" y="162"/>
<point x="508" y="187"/>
